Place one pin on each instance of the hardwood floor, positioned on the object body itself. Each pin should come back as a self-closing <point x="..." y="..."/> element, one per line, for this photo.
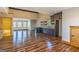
<point x="36" y="43"/>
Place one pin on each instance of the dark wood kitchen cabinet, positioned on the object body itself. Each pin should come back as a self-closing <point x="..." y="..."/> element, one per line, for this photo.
<point x="57" y="18"/>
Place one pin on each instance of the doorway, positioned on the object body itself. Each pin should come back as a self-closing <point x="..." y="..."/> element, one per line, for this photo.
<point x="57" y="28"/>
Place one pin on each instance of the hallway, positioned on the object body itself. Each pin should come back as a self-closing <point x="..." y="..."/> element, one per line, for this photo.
<point x="26" y="41"/>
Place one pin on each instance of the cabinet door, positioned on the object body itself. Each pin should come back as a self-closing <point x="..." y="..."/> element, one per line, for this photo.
<point x="6" y="26"/>
<point x="75" y="36"/>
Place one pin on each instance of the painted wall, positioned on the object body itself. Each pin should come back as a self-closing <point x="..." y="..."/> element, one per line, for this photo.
<point x="60" y="28"/>
<point x="33" y="24"/>
<point x="6" y="26"/>
<point x="39" y="23"/>
<point x="4" y="11"/>
<point x="70" y="17"/>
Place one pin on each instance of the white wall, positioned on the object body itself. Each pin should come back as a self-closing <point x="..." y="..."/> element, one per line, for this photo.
<point x="60" y="28"/>
<point x="70" y="17"/>
<point x="33" y="24"/>
<point x="38" y="24"/>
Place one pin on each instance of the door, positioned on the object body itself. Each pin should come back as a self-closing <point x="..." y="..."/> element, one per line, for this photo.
<point x="74" y="35"/>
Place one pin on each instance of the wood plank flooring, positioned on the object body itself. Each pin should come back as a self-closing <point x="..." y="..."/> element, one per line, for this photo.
<point x="39" y="43"/>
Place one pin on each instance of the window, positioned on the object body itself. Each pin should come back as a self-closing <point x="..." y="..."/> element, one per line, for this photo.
<point x="14" y="24"/>
<point x="20" y="24"/>
<point x="25" y="24"/>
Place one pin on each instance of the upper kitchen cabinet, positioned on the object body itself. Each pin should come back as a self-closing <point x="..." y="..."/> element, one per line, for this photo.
<point x="4" y="11"/>
<point x="57" y="16"/>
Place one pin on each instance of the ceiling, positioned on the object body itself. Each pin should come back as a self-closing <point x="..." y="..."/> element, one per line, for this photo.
<point x="45" y="10"/>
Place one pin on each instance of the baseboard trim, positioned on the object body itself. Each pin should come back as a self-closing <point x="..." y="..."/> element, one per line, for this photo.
<point x="66" y="42"/>
<point x="69" y="43"/>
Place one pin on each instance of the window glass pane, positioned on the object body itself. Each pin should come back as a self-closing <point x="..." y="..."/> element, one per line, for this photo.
<point x="19" y="24"/>
<point x="25" y="24"/>
<point x="14" y="24"/>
